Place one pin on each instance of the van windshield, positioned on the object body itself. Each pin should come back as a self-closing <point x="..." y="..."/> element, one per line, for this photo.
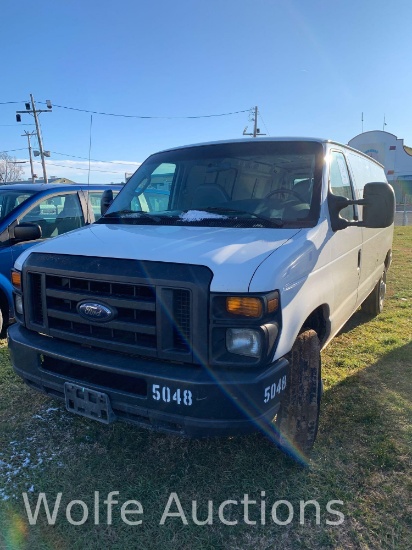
<point x="10" y="199"/>
<point x="242" y="184"/>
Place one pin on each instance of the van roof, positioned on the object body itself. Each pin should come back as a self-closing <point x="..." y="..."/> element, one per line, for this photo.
<point x="242" y="140"/>
<point x="288" y="138"/>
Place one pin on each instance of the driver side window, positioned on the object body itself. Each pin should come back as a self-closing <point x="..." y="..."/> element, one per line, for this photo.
<point x="340" y="183"/>
<point x="56" y="215"/>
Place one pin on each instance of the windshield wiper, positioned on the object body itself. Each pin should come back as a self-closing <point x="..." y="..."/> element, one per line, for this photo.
<point x="131" y="214"/>
<point x="275" y="222"/>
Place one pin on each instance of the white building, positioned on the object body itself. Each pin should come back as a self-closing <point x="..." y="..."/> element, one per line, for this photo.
<point x="396" y="157"/>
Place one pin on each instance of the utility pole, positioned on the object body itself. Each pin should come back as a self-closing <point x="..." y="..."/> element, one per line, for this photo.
<point x="256" y="130"/>
<point x="34" y="112"/>
<point x="28" y="134"/>
<point x="36" y="120"/>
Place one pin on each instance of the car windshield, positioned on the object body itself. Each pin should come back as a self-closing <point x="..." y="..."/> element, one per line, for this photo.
<point x="10" y="199"/>
<point x="242" y="184"/>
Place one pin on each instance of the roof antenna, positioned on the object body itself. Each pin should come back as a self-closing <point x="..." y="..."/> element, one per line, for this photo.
<point x="88" y="174"/>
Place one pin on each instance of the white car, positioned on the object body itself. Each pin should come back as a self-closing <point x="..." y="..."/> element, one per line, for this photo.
<point x="206" y="315"/>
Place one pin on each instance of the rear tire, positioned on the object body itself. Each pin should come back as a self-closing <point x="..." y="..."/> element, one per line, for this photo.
<point x="298" y="417"/>
<point x="373" y="305"/>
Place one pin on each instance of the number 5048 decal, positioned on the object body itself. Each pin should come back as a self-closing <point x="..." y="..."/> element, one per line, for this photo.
<point x="164" y="393"/>
<point x="275" y="389"/>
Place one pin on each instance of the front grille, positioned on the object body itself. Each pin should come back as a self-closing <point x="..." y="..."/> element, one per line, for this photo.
<point x="36" y="292"/>
<point x="153" y="315"/>
<point x="135" y="322"/>
<point x="181" y="314"/>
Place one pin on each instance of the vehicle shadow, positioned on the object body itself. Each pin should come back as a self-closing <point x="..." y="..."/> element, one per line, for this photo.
<point x="358" y="319"/>
<point x="353" y="403"/>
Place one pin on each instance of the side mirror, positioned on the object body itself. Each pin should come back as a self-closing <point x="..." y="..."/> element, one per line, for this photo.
<point x="378" y="207"/>
<point x="106" y="201"/>
<point x="26" y="231"/>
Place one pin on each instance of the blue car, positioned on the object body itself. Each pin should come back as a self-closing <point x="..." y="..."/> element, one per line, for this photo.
<point x="32" y="212"/>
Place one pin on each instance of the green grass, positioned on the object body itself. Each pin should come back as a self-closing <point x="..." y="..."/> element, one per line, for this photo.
<point x="362" y="457"/>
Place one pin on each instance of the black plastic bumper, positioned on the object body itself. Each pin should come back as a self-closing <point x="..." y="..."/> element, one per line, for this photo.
<point x="165" y="396"/>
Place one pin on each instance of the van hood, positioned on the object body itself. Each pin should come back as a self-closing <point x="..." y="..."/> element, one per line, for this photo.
<point x="232" y="254"/>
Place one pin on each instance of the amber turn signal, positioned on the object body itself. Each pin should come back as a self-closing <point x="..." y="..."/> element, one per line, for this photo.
<point x="249" y="307"/>
<point x="16" y="279"/>
<point x="273" y="304"/>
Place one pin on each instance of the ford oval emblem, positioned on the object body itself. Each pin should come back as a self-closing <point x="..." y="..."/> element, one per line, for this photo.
<point x="93" y="311"/>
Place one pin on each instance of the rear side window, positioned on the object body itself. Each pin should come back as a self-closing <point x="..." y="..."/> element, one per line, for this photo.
<point x="364" y="171"/>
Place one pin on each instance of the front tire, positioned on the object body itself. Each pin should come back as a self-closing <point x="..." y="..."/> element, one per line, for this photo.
<point x="298" y="417"/>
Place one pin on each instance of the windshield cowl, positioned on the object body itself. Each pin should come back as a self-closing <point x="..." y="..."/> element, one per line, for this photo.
<point x="130" y="214"/>
<point x="200" y="218"/>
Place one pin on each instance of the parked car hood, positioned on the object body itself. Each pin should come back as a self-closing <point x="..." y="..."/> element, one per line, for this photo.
<point x="232" y="254"/>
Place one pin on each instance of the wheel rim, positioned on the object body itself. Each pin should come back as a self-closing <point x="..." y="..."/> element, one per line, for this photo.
<point x="382" y="290"/>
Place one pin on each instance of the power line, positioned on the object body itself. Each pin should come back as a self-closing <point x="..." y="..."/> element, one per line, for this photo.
<point x="83" y="158"/>
<point x="148" y="117"/>
<point x="15" y="125"/>
<point x="10" y="150"/>
<point x="94" y="160"/>
<point x="10" y="102"/>
<point x="84" y="169"/>
<point x="261" y="118"/>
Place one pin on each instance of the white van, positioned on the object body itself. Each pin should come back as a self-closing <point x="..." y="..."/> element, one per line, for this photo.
<point x="199" y="303"/>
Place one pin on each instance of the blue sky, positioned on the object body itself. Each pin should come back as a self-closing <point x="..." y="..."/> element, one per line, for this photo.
<point x="312" y="67"/>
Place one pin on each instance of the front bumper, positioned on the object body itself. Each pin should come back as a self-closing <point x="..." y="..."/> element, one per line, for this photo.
<point x="197" y="401"/>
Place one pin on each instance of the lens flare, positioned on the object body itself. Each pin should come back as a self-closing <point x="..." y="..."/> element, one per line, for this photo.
<point x="15" y="531"/>
<point x="249" y="409"/>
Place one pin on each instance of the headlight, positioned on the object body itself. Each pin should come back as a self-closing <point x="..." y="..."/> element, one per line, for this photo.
<point x="244" y="341"/>
<point x="18" y="304"/>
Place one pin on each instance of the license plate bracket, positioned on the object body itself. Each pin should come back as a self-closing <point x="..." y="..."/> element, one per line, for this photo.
<point x="89" y="403"/>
